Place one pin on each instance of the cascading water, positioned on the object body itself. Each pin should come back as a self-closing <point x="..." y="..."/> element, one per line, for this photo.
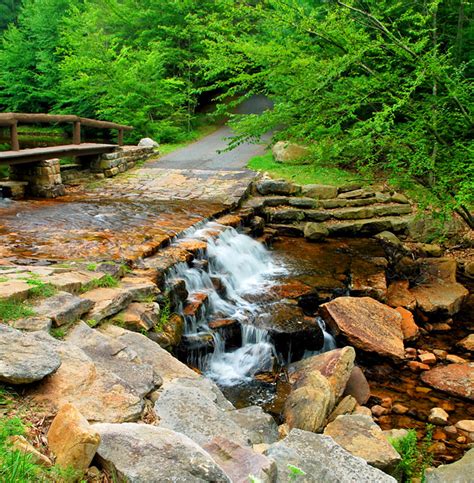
<point x="239" y="266"/>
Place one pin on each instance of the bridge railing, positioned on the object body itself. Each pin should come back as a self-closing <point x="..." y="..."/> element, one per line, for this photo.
<point x="12" y="119"/>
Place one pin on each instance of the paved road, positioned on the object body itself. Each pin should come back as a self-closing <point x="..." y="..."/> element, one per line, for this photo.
<point x="205" y="154"/>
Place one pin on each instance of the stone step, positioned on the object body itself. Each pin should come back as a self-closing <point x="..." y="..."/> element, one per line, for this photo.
<point x="368" y="226"/>
<point x="63" y="308"/>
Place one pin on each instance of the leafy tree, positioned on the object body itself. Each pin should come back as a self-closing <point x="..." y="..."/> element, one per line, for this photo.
<point x="8" y="12"/>
<point x="378" y="85"/>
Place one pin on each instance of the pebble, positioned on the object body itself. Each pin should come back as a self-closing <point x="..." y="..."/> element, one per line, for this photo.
<point x="410" y="353"/>
<point x="455" y="359"/>
<point x="386" y="403"/>
<point x="416" y="366"/>
<point x="378" y="411"/>
<point x="438" y="447"/>
<point x="451" y="431"/>
<point x="427" y="358"/>
<point x="439" y="435"/>
<point x="440" y="353"/>
<point x="399" y="408"/>
<point x="466" y="425"/>
<point x="461" y="439"/>
<point x="438" y="416"/>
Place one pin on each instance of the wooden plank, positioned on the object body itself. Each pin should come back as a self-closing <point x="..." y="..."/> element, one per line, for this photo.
<point x="39" y="154"/>
<point x="76" y="133"/>
<point x="8" y="118"/>
<point x="14" y="143"/>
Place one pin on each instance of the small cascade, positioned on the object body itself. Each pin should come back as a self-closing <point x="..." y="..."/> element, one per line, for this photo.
<point x="329" y="341"/>
<point x="234" y="266"/>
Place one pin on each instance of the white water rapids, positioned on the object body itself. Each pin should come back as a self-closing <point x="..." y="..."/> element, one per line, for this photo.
<point x="242" y="266"/>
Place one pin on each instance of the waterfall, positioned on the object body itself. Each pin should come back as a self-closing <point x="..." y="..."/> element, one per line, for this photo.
<point x="238" y="265"/>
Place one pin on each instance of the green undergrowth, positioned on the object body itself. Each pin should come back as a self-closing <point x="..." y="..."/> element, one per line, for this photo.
<point x="107" y="281"/>
<point x="17" y="466"/>
<point x="14" y="310"/>
<point x="165" y="314"/>
<point x="415" y="454"/>
<point x="317" y="173"/>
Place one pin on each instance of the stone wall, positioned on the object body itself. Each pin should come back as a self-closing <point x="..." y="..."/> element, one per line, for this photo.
<point x="123" y="159"/>
<point x="43" y="178"/>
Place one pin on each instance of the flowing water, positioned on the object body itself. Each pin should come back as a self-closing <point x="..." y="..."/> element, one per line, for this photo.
<point x="245" y="272"/>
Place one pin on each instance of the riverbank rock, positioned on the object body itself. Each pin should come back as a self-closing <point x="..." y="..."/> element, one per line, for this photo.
<point x="357" y="386"/>
<point x="138" y="316"/>
<point x="467" y="343"/>
<point x="239" y="462"/>
<point x="308" y="405"/>
<point x="362" y="437"/>
<point x="170" y="334"/>
<point x="24" y="358"/>
<point x="258" y="426"/>
<point x="106" y="302"/>
<point x="195" y="410"/>
<point x="315" y="231"/>
<point x="319" y="191"/>
<point x="321" y="459"/>
<point x="114" y="356"/>
<point x="439" y="292"/>
<point x="63" y="308"/>
<point x="366" y="324"/>
<point x="459" y="472"/>
<point x="284" y="151"/>
<point x="162" y="362"/>
<point x="140" y="452"/>
<point x="336" y="366"/>
<point x="409" y="328"/>
<point x="98" y="394"/>
<point x="72" y="439"/>
<point x="455" y="379"/>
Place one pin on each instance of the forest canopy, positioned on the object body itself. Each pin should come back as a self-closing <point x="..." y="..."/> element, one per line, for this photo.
<point x="384" y="86"/>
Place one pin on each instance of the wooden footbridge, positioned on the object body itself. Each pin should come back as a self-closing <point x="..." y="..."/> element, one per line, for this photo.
<point x="77" y="148"/>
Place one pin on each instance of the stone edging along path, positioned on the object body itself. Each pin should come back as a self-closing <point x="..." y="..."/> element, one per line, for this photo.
<point x="113" y="376"/>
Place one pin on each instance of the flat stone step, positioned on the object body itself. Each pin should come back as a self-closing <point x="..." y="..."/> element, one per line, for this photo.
<point x="105" y="302"/>
<point x="63" y="308"/>
<point x="368" y="226"/>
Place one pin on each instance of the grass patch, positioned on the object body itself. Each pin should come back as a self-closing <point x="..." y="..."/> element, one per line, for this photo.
<point x="107" y="281"/>
<point x="3" y="279"/>
<point x="415" y="455"/>
<point x="92" y="267"/>
<point x="165" y="314"/>
<point x="316" y="173"/>
<point x="40" y="289"/>
<point x="14" y="310"/>
<point x="57" y="332"/>
<point x="17" y="466"/>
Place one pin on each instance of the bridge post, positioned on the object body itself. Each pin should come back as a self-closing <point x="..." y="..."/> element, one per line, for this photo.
<point x="15" y="144"/>
<point x="120" y="137"/>
<point x="76" y="132"/>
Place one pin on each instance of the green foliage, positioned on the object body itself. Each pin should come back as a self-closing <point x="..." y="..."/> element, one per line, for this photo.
<point x="415" y="456"/>
<point x="92" y="267"/>
<point x="295" y="472"/>
<point x="14" y="310"/>
<point x="165" y="314"/>
<point x="378" y="85"/>
<point x="315" y="172"/>
<point x="57" y="332"/>
<point x="91" y="322"/>
<point x="107" y="281"/>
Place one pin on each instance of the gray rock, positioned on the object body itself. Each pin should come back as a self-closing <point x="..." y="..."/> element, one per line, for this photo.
<point x="360" y="436"/>
<point x="276" y="187"/>
<point x="63" y="308"/>
<point x="353" y="213"/>
<point x="303" y="202"/>
<point x="148" y="143"/>
<point x="192" y="412"/>
<point x="392" y="210"/>
<point x="459" y="472"/>
<point x="322" y="460"/>
<point x="258" y="426"/>
<point x="319" y="191"/>
<point x="163" y="363"/>
<point x="350" y="187"/>
<point x="239" y="462"/>
<point x="23" y="358"/>
<point x="141" y="453"/>
<point x="106" y="302"/>
<point x="283" y="215"/>
<point x="284" y="151"/>
<point x="315" y="231"/>
<point x="359" y="193"/>
<point x="114" y="356"/>
<point x="32" y="324"/>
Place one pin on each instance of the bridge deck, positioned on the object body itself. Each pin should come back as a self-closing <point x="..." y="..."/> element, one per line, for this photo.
<point x="39" y="154"/>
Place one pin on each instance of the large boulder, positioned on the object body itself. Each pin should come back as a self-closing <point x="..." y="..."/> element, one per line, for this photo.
<point x="439" y="292"/>
<point x="455" y="379"/>
<point x="336" y="366"/>
<point x="320" y="458"/>
<point x="239" y="462"/>
<point x="459" y="472"/>
<point x="366" y="324"/>
<point x="141" y="453"/>
<point x="284" y="151"/>
<point x="23" y="358"/>
<point x="99" y="394"/>
<point x="190" y="409"/>
<point x="72" y="439"/>
<point x="147" y="143"/>
<point x="308" y="405"/>
<point x="116" y="357"/>
<point x="360" y="436"/>
<point x="162" y="362"/>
